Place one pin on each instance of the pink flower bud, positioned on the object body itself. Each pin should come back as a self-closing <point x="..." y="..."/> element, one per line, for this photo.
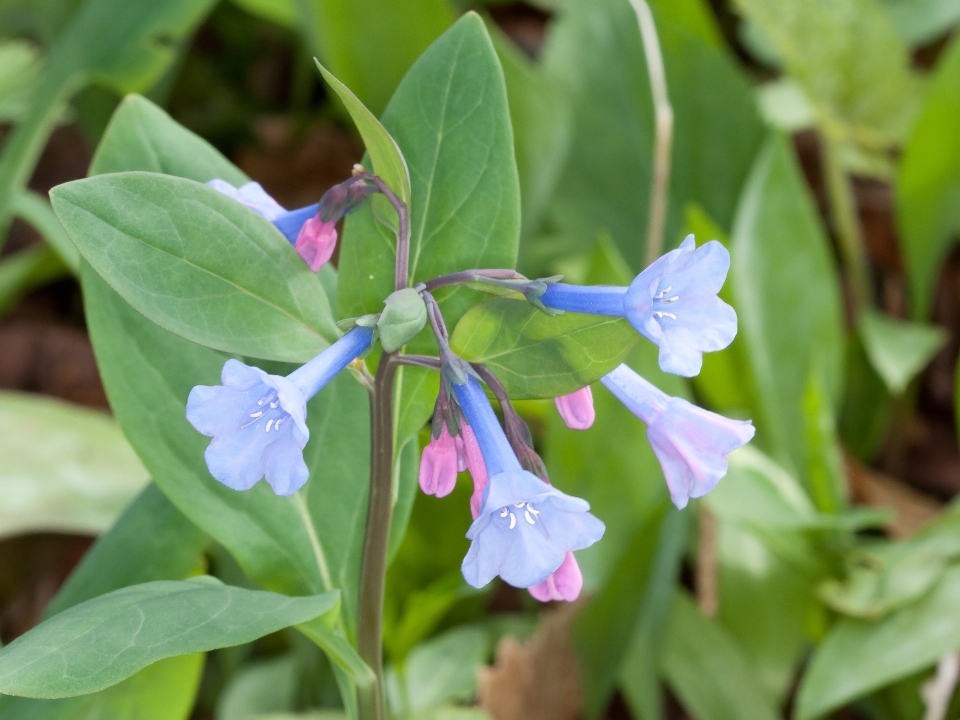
<point x="565" y="583"/>
<point x="438" y="465"/>
<point x="461" y="455"/>
<point x="476" y="466"/>
<point x="316" y="242"/>
<point x="576" y="409"/>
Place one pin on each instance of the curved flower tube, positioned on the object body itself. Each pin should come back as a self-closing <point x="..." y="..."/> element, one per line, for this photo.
<point x="691" y="443"/>
<point x="258" y="421"/>
<point x="673" y="303"/>
<point x="525" y="527"/>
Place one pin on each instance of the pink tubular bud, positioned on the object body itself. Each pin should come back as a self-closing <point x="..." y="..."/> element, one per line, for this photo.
<point x="576" y="409"/>
<point x="476" y="466"/>
<point x="565" y="583"/>
<point x="461" y="455"/>
<point x="438" y="465"/>
<point x="316" y="242"/>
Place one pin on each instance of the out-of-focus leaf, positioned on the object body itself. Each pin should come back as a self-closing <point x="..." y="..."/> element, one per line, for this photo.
<point x="370" y="44"/>
<point x="784" y="105"/>
<point x="281" y="12"/>
<point x="865" y="414"/>
<point x="19" y="64"/>
<point x="259" y="689"/>
<point x="142" y="136"/>
<point x="163" y="691"/>
<point x="32" y="208"/>
<point x="694" y="16"/>
<point x="152" y="540"/>
<point x="595" y="52"/>
<point x="859" y="656"/>
<point x="65" y="468"/>
<point x="25" y="270"/>
<point x="928" y="186"/>
<point x="919" y="21"/>
<point x="542" y="128"/>
<point x="198" y="263"/>
<point x="708" y="671"/>
<point x="103" y="641"/>
<point x="538" y="355"/>
<point x="385" y="156"/>
<point x="899" y="349"/>
<point x="444" y="669"/>
<point x="824" y="474"/>
<point x="787" y="300"/>
<point x="850" y="61"/>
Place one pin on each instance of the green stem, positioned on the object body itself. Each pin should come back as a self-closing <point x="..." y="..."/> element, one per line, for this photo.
<point x="846" y="224"/>
<point x="373" y="567"/>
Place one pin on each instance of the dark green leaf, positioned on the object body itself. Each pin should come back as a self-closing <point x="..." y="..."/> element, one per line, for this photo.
<point x="538" y="355"/>
<point x="25" y="270"/>
<point x="859" y="656"/>
<point x="928" y="187"/>
<point x="98" y="643"/>
<point x="198" y="263"/>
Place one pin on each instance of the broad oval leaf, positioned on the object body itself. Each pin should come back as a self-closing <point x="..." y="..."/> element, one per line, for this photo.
<point x="198" y="264"/>
<point x="536" y="355"/>
<point x="859" y="656"/>
<point x="100" y="642"/>
<point x="65" y="468"/>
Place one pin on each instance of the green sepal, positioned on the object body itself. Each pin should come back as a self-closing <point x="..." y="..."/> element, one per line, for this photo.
<point x="403" y="317"/>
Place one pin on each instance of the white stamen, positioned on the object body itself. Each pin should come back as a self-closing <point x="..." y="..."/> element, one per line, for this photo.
<point x="663" y="292"/>
<point x="531" y="509"/>
<point x="276" y="425"/>
<point x="673" y="299"/>
<point x="274" y="404"/>
<point x="260" y="401"/>
<point x="513" y="521"/>
<point x="661" y="314"/>
<point x="519" y="505"/>
<point x="256" y="414"/>
<point x="503" y="513"/>
<point x="269" y="423"/>
<point x="526" y="515"/>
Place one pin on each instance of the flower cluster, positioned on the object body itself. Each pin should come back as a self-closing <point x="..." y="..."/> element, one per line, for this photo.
<point x="524" y="530"/>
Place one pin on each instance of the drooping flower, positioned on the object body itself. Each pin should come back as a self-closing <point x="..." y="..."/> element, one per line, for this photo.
<point x="576" y="409"/>
<point x="316" y="242"/>
<point x="691" y="443"/>
<point x="673" y="303"/>
<point x="438" y="465"/>
<point x="565" y="583"/>
<point x="258" y="421"/>
<point x="525" y="527"/>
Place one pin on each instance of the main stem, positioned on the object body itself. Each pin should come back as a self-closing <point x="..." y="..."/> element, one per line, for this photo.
<point x="373" y="567"/>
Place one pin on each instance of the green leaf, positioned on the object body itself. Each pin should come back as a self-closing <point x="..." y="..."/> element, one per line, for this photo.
<point x="444" y="668"/>
<point x="825" y="475"/>
<point x="850" y="62"/>
<point x="387" y="160"/>
<point x="141" y="136"/>
<point x="19" y="64"/>
<point x="538" y="355"/>
<point x="898" y="349"/>
<point x="595" y="52"/>
<point x="772" y="281"/>
<point x="404" y="315"/>
<point x="920" y="21"/>
<point x="370" y="44"/>
<point x="27" y="269"/>
<point x="860" y="656"/>
<point x="306" y="543"/>
<point x="98" y="643"/>
<point x="152" y="540"/>
<point x="708" y="671"/>
<point x="260" y="688"/>
<point x="281" y="12"/>
<point x="198" y="264"/>
<point x="928" y="185"/>
<point x="32" y="208"/>
<point x="65" y="468"/>
<point x="165" y="690"/>
<point x="865" y="415"/>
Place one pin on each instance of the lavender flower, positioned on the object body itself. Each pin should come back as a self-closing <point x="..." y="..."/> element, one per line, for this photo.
<point x="525" y="527"/>
<point x="258" y="421"/>
<point x="673" y="303"/>
<point x="691" y="443"/>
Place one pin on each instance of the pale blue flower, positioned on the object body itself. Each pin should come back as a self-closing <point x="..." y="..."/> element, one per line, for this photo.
<point x="525" y="527"/>
<point x="288" y="222"/>
<point x="673" y="302"/>
<point x="691" y="443"/>
<point x="258" y="421"/>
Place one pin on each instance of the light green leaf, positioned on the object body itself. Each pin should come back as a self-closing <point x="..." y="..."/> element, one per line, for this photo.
<point x="707" y="669"/>
<point x="784" y="105"/>
<point x="825" y="474"/>
<point x="198" y="264"/>
<point x="165" y="690"/>
<point x="444" y="669"/>
<point x="898" y="349"/>
<point x="19" y="65"/>
<point x="281" y="12"/>
<point x="387" y="160"/>
<point x="141" y="136"/>
<point x="34" y="209"/>
<point x="98" y="643"/>
<point x="152" y="540"/>
<point x="928" y="185"/>
<point x="538" y="355"/>
<point x="694" y="16"/>
<point x="65" y="468"/>
<point x="920" y="21"/>
<point x="860" y="656"/>
<point x="787" y="300"/>
<point x="259" y="689"/>
<point x="403" y="316"/>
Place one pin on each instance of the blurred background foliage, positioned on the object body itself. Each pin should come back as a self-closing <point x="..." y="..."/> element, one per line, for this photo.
<point x="819" y="140"/>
